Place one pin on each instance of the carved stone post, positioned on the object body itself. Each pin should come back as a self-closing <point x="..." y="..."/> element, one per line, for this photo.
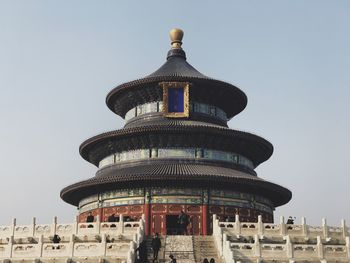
<point x="257" y="248"/>
<point x="320" y="248"/>
<point x="260" y="225"/>
<point x="131" y="254"/>
<point x="220" y="241"/>
<point x="289" y="245"/>
<point x="75" y="225"/>
<point x="98" y="224"/>
<point x="283" y="229"/>
<point x="304" y="226"/>
<point x="33" y="226"/>
<point x="41" y="246"/>
<point x="237" y="225"/>
<point x="10" y="246"/>
<point x="324" y="228"/>
<point x="13" y="227"/>
<point x="71" y="245"/>
<point x="347" y="243"/>
<point x="121" y="224"/>
<point x="53" y="226"/>
<point x="344" y="228"/>
<point x="104" y="244"/>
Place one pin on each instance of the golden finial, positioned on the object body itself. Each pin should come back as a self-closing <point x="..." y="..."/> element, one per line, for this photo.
<point x="176" y="36"/>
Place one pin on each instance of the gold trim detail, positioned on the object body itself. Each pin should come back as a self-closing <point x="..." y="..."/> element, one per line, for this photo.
<point x="169" y="85"/>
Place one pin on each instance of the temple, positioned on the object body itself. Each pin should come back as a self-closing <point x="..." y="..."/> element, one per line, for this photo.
<point x="175" y="156"/>
<point x="176" y="153"/>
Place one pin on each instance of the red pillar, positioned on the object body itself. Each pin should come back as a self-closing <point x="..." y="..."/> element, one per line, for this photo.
<point x="205" y="219"/>
<point x="147" y="219"/>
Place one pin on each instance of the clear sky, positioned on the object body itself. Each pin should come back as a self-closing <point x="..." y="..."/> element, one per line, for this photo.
<point x="59" y="59"/>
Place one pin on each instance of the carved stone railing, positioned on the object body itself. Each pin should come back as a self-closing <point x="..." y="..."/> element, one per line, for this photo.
<point x="96" y="239"/>
<point x="264" y="241"/>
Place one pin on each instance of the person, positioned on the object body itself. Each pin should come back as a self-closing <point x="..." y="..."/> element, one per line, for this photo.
<point x="142" y="249"/>
<point x="112" y="218"/>
<point x="156" y="244"/>
<point x="56" y="239"/>
<point x="205" y="260"/>
<point x="173" y="260"/>
<point x="212" y="260"/>
<point x="183" y="220"/>
<point x="90" y="218"/>
<point x="290" y="221"/>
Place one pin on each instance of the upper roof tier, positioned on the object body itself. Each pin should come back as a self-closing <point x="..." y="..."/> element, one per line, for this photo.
<point x="203" y="89"/>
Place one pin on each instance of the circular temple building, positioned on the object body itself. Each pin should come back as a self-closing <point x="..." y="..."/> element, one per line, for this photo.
<point x="176" y="153"/>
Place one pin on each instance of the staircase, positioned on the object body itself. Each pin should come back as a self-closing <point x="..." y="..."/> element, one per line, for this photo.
<point x="204" y="247"/>
<point x="186" y="249"/>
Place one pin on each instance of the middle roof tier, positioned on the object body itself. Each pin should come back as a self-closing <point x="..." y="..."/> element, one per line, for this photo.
<point x="175" y="133"/>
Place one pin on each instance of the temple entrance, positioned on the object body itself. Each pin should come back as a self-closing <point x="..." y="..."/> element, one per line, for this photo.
<point x="172" y="226"/>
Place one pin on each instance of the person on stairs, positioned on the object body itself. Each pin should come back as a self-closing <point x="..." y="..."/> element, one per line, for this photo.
<point x="142" y="249"/>
<point x="156" y="244"/>
<point x="173" y="260"/>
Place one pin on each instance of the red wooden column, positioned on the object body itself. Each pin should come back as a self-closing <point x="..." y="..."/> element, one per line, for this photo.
<point x="147" y="212"/>
<point x="205" y="211"/>
<point x="205" y="215"/>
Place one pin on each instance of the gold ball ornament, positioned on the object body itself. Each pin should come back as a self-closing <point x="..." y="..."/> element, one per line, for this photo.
<point x="176" y="36"/>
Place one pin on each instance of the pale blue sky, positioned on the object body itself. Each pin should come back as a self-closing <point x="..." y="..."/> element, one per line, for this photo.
<point x="59" y="59"/>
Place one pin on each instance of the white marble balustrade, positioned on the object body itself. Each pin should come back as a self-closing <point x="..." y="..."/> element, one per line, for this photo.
<point x="242" y="241"/>
<point x="78" y="240"/>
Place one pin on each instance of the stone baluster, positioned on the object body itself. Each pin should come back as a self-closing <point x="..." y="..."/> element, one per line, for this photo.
<point x="344" y="228"/>
<point x="226" y="251"/>
<point x="13" y="226"/>
<point x="131" y="254"/>
<point x="257" y="248"/>
<point x="347" y="244"/>
<point x="220" y="236"/>
<point x="304" y="227"/>
<point x="41" y="245"/>
<point x="139" y="235"/>
<point x="75" y="225"/>
<point x="237" y="225"/>
<point x="10" y="246"/>
<point x="98" y="224"/>
<point x="104" y="244"/>
<point x="121" y="224"/>
<point x="283" y="229"/>
<point x="141" y="225"/>
<point x="324" y="228"/>
<point x="33" y="226"/>
<point x="143" y="218"/>
<point x="214" y="221"/>
<point x="71" y="245"/>
<point x="260" y="225"/>
<point x="289" y="246"/>
<point x="320" y="248"/>
<point x="53" y="226"/>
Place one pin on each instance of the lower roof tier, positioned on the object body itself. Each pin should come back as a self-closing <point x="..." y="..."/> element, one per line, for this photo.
<point x="177" y="133"/>
<point x="174" y="173"/>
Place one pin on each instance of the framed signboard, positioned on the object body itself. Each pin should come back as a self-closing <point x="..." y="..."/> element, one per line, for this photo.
<point x="176" y="99"/>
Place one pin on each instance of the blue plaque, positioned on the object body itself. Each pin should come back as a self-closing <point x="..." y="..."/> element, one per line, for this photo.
<point x="176" y="100"/>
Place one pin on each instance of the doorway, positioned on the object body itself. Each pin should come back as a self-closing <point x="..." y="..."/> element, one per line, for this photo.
<point x="172" y="225"/>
